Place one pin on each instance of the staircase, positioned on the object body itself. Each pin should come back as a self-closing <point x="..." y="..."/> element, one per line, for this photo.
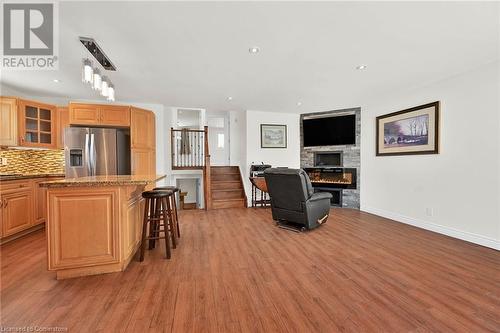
<point x="227" y="187"/>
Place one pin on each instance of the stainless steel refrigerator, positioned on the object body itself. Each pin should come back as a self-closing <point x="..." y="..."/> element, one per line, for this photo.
<point x="96" y="151"/>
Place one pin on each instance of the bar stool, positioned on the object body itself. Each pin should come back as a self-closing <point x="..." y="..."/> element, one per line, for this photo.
<point x="173" y="204"/>
<point x="155" y="201"/>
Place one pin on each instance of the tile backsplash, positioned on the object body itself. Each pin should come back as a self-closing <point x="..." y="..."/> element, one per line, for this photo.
<point x="32" y="161"/>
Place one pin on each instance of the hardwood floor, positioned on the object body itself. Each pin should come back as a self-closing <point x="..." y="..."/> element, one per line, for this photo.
<point x="235" y="271"/>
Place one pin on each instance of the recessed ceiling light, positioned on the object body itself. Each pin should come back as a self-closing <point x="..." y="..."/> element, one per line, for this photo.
<point x="56" y="80"/>
<point x="230" y="98"/>
<point x="254" y="49"/>
<point x="299" y="103"/>
<point x="361" y="67"/>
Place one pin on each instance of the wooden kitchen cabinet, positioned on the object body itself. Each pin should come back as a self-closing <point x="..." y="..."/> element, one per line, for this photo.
<point x="143" y="141"/>
<point x="17" y="212"/>
<point x="23" y="206"/>
<point x="83" y="114"/>
<point x="36" y="124"/>
<point x="62" y="123"/>
<point x="115" y="115"/>
<point x="143" y="161"/>
<point x="40" y="202"/>
<point x="142" y="128"/>
<point x="99" y="115"/>
<point x="8" y="121"/>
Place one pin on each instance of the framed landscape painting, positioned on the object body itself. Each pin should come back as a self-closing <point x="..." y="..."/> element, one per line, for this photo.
<point x="272" y="136"/>
<point x="409" y="132"/>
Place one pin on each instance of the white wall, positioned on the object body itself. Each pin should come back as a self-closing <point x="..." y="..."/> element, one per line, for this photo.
<point x="237" y="137"/>
<point x="461" y="184"/>
<point x="189" y="185"/>
<point x="277" y="157"/>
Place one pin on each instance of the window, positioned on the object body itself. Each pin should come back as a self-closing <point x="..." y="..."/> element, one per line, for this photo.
<point x="220" y="140"/>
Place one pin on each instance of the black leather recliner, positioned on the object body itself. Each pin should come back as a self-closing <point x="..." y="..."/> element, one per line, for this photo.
<point x="293" y="201"/>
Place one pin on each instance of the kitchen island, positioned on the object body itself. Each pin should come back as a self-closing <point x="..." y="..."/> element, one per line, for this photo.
<point x="94" y="224"/>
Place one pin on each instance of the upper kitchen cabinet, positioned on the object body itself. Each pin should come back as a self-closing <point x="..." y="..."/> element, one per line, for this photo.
<point x="115" y="115"/>
<point x="62" y="123"/>
<point x="36" y="124"/>
<point x="99" y="115"/>
<point x="142" y="128"/>
<point x="8" y="121"/>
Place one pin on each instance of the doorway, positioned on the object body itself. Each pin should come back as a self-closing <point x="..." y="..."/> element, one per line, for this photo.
<point x="189" y="196"/>
<point x="218" y="139"/>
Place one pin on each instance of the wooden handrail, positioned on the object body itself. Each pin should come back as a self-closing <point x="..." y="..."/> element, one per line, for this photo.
<point x="187" y="130"/>
<point x="207" y="179"/>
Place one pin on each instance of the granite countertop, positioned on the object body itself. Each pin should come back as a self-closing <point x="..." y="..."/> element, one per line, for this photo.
<point x="6" y="177"/>
<point x="117" y="180"/>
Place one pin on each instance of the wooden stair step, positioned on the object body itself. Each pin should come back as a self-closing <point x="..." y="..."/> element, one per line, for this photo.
<point x="227" y="185"/>
<point x="222" y="177"/>
<point x="224" y="170"/>
<point x="229" y="203"/>
<point x="227" y="194"/>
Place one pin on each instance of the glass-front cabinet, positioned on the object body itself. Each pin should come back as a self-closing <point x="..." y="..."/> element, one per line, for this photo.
<point x="37" y="124"/>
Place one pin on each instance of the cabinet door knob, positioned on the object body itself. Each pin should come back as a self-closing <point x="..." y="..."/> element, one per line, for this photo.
<point x="6" y="203"/>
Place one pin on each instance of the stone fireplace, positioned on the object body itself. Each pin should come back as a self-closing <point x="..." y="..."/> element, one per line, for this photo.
<point x="335" y="169"/>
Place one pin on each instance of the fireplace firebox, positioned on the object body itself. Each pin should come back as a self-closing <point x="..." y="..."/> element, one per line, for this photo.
<point x="328" y="159"/>
<point x="342" y="178"/>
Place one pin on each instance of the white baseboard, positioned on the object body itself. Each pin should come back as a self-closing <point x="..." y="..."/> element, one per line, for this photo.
<point x="463" y="235"/>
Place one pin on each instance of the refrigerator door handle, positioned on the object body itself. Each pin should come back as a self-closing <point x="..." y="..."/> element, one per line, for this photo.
<point x="87" y="154"/>
<point x="92" y="155"/>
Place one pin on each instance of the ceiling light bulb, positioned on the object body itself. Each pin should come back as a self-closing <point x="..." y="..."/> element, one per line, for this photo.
<point x="254" y="49"/>
<point x="229" y="98"/>
<point x="97" y="80"/>
<point x="299" y="103"/>
<point x="87" y="71"/>
<point x="104" y="86"/>
<point x="56" y="80"/>
<point x="111" y="93"/>
<point x="361" y="67"/>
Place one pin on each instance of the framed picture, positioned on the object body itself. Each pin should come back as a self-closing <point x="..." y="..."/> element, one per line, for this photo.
<point x="409" y="132"/>
<point x="272" y="136"/>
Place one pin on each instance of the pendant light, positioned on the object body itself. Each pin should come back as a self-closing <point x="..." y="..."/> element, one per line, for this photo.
<point x="111" y="93"/>
<point x="104" y="86"/>
<point x="97" y="80"/>
<point x="87" y="71"/>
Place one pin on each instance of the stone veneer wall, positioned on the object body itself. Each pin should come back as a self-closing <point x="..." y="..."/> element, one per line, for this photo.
<point x="351" y="154"/>
<point x="27" y="161"/>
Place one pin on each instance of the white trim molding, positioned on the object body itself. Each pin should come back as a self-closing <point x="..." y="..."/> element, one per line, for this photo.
<point x="459" y="234"/>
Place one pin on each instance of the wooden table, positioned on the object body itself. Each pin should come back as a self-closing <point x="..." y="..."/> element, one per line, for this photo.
<point x="259" y="188"/>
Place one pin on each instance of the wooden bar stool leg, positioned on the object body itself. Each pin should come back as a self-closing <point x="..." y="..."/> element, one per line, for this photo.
<point x="165" y="228"/>
<point x="174" y="203"/>
<point x="144" y="229"/>
<point x="153" y="224"/>
<point x="171" y="223"/>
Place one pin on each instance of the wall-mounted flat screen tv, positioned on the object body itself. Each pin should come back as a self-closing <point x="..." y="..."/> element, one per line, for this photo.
<point x="329" y="131"/>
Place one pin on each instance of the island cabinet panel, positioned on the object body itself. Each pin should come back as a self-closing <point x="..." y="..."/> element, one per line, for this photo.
<point x="83" y="228"/>
<point x="133" y="227"/>
<point x="40" y="199"/>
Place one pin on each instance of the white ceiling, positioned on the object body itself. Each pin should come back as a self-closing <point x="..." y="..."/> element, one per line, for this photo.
<point x="195" y="54"/>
